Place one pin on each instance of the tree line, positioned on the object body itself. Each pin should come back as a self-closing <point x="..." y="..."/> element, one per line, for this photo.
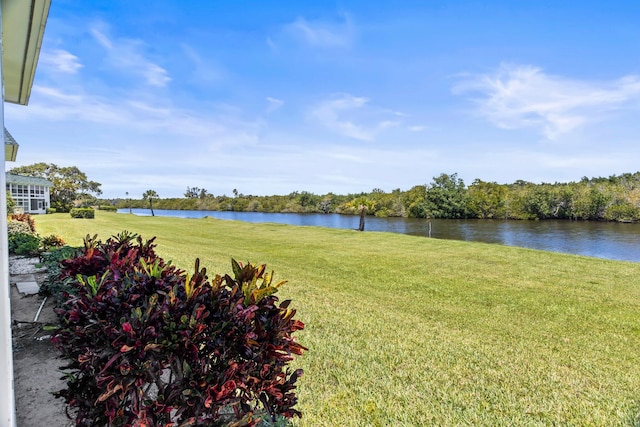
<point x="616" y="198"/>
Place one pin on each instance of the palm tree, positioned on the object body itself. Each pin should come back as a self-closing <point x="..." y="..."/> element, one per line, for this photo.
<point x="362" y="204"/>
<point x="128" y="201"/>
<point x="150" y="195"/>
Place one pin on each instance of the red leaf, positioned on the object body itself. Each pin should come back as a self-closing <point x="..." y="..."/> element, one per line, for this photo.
<point x="128" y="329"/>
<point x="125" y="348"/>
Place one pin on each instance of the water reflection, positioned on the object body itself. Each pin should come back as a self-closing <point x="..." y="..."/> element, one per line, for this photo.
<point x="597" y="239"/>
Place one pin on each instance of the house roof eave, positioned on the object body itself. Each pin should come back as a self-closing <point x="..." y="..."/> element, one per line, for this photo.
<point x="10" y="147"/>
<point x="27" y="180"/>
<point x="23" y="23"/>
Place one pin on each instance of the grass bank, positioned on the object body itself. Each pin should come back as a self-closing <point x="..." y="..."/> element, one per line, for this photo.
<point x="407" y="331"/>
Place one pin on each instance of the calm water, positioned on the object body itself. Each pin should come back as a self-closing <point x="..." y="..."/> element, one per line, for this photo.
<point x="597" y="239"/>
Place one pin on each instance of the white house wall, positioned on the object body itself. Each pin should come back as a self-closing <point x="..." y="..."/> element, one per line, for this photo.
<point x="7" y="399"/>
<point x="30" y="198"/>
<point x="22" y="24"/>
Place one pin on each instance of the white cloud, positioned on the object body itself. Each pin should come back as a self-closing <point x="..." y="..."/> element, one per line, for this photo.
<point x="350" y="116"/>
<point x="60" y="60"/>
<point x="155" y="75"/>
<point x="272" y="45"/>
<point x="386" y="124"/>
<point x="523" y="96"/>
<point x="319" y="34"/>
<point x="328" y="114"/>
<point x="127" y="55"/>
<point x="350" y="157"/>
<point x="152" y="117"/>
<point x="274" y="104"/>
<point x="101" y="38"/>
<point x="204" y="69"/>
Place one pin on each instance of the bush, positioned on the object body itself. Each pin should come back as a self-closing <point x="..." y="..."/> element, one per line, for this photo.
<point x="82" y="213"/>
<point x="22" y="239"/>
<point x="26" y="218"/>
<point x="61" y="207"/>
<point x="53" y="286"/>
<point x="110" y="208"/>
<point x="52" y="241"/>
<point x="14" y="227"/>
<point x="51" y="210"/>
<point x="151" y="345"/>
<point x="622" y="212"/>
<point x="24" y="244"/>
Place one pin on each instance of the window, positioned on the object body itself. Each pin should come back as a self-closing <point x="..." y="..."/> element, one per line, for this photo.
<point x="18" y="190"/>
<point x="37" y="191"/>
<point x="22" y="203"/>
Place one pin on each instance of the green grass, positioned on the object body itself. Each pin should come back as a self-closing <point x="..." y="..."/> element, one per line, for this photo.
<point x="409" y="331"/>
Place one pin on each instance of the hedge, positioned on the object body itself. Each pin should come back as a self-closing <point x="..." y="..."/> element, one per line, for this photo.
<point x="82" y="213"/>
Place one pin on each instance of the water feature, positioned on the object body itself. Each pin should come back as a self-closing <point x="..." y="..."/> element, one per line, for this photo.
<point x="597" y="239"/>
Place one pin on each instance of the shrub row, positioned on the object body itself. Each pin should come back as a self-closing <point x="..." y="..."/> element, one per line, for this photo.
<point x="149" y="344"/>
<point x="109" y="208"/>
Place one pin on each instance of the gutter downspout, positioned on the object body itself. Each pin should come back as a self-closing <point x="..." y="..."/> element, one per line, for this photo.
<point x="8" y="400"/>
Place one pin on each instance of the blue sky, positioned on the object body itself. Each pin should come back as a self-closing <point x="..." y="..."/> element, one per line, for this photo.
<point x="271" y="97"/>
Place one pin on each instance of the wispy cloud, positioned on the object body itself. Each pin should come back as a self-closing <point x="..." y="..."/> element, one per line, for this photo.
<point x="523" y="96"/>
<point x="60" y="60"/>
<point x="274" y="104"/>
<point x="204" y="69"/>
<point x="318" y="34"/>
<point x="155" y="117"/>
<point x="350" y="116"/>
<point x="128" y="55"/>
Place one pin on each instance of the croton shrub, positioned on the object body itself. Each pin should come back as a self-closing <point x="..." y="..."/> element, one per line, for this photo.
<point x="26" y="219"/>
<point x="150" y="345"/>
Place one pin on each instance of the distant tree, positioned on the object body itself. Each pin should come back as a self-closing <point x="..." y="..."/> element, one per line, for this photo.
<point x="486" y="199"/>
<point x="128" y="201"/>
<point x="69" y="183"/>
<point x="326" y="203"/>
<point x="235" y="192"/>
<point x="590" y="202"/>
<point x="196" y="193"/>
<point x="446" y="197"/>
<point x="363" y="204"/>
<point x="192" y="192"/>
<point x="542" y="202"/>
<point x="308" y="202"/>
<point x="363" y="212"/>
<point x="204" y="194"/>
<point x="86" y="200"/>
<point x="150" y="195"/>
<point x="415" y="200"/>
<point x="519" y="200"/>
<point x="386" y="204"/>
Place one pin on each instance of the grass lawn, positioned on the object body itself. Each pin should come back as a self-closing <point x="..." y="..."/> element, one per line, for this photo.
<point x="411" y="331"/>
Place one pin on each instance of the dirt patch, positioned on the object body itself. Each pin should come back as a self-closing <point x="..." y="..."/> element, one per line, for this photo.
<point x="35" y="362"/>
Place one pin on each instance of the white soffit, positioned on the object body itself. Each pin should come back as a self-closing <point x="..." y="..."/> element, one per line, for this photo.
<point x="23" y="23"/>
